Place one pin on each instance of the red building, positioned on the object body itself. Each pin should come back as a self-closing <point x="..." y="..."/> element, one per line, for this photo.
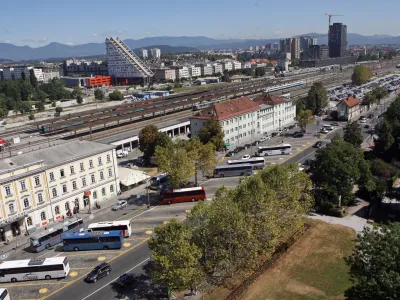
<point x="99" y="81"/>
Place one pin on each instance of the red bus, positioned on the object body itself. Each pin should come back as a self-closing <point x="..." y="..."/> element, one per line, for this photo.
<point x="183" y="195"/>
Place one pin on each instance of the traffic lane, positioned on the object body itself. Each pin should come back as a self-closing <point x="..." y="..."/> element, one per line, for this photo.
<point x="104" y="289"/>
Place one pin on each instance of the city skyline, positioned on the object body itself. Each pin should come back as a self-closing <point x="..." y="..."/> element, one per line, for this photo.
<point x="78" y="23"/>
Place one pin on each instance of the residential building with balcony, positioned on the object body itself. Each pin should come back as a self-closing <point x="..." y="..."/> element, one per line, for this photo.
<point x="237" y="65"/>
<point x="194" y="71"/>
<point x="182" y="72"/>
<point x="217" y="68"/>
<point x="206" y="69"/>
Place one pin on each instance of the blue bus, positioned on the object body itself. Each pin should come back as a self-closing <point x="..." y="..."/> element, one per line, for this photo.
<point x="160" y="181"/>
<point x="53" y="236"/>
<point x="95" y="240"/>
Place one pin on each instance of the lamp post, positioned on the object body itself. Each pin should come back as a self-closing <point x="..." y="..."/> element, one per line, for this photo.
<point x="280" y="129"/>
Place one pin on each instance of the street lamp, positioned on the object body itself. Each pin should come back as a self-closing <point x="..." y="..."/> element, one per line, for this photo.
<point x="280" y="129"/>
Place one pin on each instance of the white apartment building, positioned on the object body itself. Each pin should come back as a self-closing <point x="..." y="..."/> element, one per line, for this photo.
<point x="227" y="66"/>
<point x="182" y="72"/>
<point x="48" y="75"/>
<point x="155" y="53"/>
<point x="246" y="65"/>
<point x="164" y="74"/>
<point x="238" y="118"/>
<point x="8" y="73"/>
<point x="237" y="65"/>
<point x="40" y="187"/>
<point x="145" y="54"/>
<point x="194" y="71"/>
<point x="275" y="112"/>
<point x="206" y="70"/>
<point x="217" y="68"/>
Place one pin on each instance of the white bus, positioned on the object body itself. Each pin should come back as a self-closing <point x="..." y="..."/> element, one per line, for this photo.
<point x="4" y="295"/>
<point x="34" y="269"/>
<point x="274" y="150"/>
<point x="123" y="225"/>
<point x="256" y="162"/>
<point x="234" y="170"/>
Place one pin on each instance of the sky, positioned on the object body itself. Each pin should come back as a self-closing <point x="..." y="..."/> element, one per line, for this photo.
<point x="38" y="22"/>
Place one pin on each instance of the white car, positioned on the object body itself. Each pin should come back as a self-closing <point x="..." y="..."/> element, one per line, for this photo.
<point x="264" y="138"/>
<point x="362" y="121"/>
<point x="246" y="156"/>
<point x="323" y="130"/>
<point x="120" y="205"/>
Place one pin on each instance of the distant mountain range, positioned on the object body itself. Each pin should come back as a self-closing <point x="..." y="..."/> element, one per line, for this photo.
<point x="167" y="45"/>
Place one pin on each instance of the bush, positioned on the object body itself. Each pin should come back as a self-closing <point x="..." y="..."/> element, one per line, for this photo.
<point x="59" y="109"/>
<point x="116" y="95"/>
<point x="31" y="116"/>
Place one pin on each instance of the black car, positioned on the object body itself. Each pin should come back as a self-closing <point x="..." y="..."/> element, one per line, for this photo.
<point x="366" y="126"/>
<point x="126" y="279"/>
<point x="98" y="272"/>
<point x="247" y="146"/>
<point x="298" y="134"/>
<point x="318" y="144"/>
<point x="255" y="143"/>
<point x="308" y="162"/>
<point x="229" y="154"/>
<point x="335" y="124"/>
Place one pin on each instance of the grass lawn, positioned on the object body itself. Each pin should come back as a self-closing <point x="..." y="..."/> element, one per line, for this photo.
<point x="313" y="268"/>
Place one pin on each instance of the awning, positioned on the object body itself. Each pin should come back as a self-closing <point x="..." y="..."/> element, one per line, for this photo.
<point x="128" y="177"/>
<point x="227" y="144"/>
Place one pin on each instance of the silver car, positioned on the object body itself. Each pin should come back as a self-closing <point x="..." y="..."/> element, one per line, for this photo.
<point x="120" y="205"/>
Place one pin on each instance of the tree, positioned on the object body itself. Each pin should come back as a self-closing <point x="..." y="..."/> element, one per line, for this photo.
<point x="369" y="98"/>
<point x="361" y="75"/>
<point x="79" y="99"/>
<point x="352" y="134"/>
<point x="374" y="264"/>
<point x="175" y="161"/>
<point x="40" y="106"/>
<point x="259" y="72"/>
<point x="77" y="94"/>
<point x="317" y="98"/>
<point x="40" y="95"/>
<point x="202" y="156"/>
<point x="304" y="117"/>
<point x="31" y="116"/>
<point x="22" y="107"/>
<point x="23" y="76"/>
<point x="176" y="259"/>
<point x="32" y="78"/>
<point x="147" y="140"/>
<point x="379" y="92"/>
<point x="116" y="95"/>
<point x="384" y="141"/>
<point x="25" y="90"/>
<point x="212" y="132"/>
<point x="98" y="94"/>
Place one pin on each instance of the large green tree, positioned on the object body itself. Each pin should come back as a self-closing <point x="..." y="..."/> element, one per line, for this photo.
<point x="116" y="95"/>
<point x="374" y="264"/>
<point x="352" y="134"/>
<point x="379" y="92"/>
<point x="32" y="78"/>
<point x="304" y="118"/>
<point x="317" y="98"/>
<point x="176" y="259"/>
<point x="98" y="94"/>
<point x="147" y="140"/>
<point x="212" y="132"/>
<point x="361" y="74"/>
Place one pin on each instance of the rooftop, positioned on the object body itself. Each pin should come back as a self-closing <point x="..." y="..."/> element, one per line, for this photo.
<point x="351" y="101"/>
<point x="269" y="99"/>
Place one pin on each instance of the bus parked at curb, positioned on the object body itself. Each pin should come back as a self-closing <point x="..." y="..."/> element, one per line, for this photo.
<point x="123" y="225"/>
<point x="160" y="181"/>
<point x="95" y="240"/>
<point x="282" y="149"/>
<point x="233" y="170"/>
<point x="183" y="195"/>
<point x="256" y="162"/>
<point x="34" y="269"/>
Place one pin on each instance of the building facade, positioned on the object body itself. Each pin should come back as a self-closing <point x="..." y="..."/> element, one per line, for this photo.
<point x="182" y="72"/>
<point x="217" y="68"/>
<point x="81" y="67"/>
<point x="206" y="69"/>
<point x="164" y="74"/>
<point x="348" y="109"/>
<point x="41" y="187"/>
<point x="194" y="71"/>
<point x="337" y="40"/>
<point x="318" y="52"/>
<point x="155" y="53"/>
<point x="291" y="45"/>
<point x="145" y="54"/>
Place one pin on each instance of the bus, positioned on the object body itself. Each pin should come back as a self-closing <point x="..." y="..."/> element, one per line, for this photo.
<point x="256" y="162"/>
<point x="233" y="170"/>
<point x="95" y="240"/>
<point x="183" y="195"/>
<point x="4" y="295"/>
<point x="274" y="150"/>
<point x="34" y="269"/>
<point x="52" y="236"/>
<point x="123" y="225"/>
<point x="158" y="182"/>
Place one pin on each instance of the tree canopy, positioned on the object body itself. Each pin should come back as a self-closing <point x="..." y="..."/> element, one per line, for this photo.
<point x="361" y="74"/>
<point x="116" y="95"/>
<point x="304" y="117"/>
<point x="352" y="134"/>
<point x="98" y="94"/>
<point x="148" y="138"/>
<point x="317" y="98"/>
<point x="212" y="132"/>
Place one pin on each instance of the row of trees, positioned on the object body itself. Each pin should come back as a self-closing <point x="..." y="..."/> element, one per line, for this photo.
<point x="376" y="95"/>
<point x="232" y="232"/>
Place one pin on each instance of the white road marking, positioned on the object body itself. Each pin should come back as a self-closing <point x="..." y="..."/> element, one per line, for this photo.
<point x="96" y="291"/>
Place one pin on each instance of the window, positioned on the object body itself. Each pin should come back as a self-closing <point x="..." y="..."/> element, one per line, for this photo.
<point x="74" y="185"/>
<point x="62" y="173"/>
<point x="54" y="192"/>
<point x="64" y="188"/>
<point x="51" y="175"/>
<point x="101" y="175"/>
<point x="26" y="202"/>
<point x="82" y="166"/>
<point x="57" y="210"/>
<point x="92" y="178"/>
<point x="72" y="169"/>
<point x="11" y="208"/>
<point x="103" y="191"/>
<point x="90" y="164"/>
<point x="94" y="195"/>
<point x="7" y="190"/>
<point x="100" y="162"/>
<point x="23" y="186"/>
<point x="108" y="158"/>
<point x="40" y="197"/>
<point x="43" y="216"/>
<point x="29" y="221"/>
<point x="109" y="173"/>
<point x="111" y="188"/>
<point x="37" y="180"/>
<point x="83" y="181"/>
<point x="66" y="206"/>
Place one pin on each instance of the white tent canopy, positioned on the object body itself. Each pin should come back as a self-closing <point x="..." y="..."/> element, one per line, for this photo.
<point x="128" y="177"/>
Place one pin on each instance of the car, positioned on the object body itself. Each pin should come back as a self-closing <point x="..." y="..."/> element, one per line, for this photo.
<point x="246" y="156"/>
<point x="120" y="205"/>
<point x="328" y="127"/>
<point x="140" y="160"/>
<point x="334" y="124"/>
<point x="298" y="134"/>
<point x="318" y="144"/>
<point x="126" y="279"/>
<point x="229" y="154"/>
<point x="366" y="126"/>
<point x="247" y="146"/>
<point x="102" y="270"/>
<point x="323" y="130"/>
<point x="308" y="162"/>
<point x="264" y="138"/>
<point x="362" y="121"/>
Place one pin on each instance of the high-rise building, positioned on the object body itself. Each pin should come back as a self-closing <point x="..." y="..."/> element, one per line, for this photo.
<point x="155" y="53"/>
<point x="292" y="46"/>
<point x="318" y="52"/>
<point x="337" y="40"/>
<point x="257" y="48"/>
<point x="145" y="54"/>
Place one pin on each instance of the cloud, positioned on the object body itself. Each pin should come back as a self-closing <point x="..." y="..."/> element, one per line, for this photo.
<point x="32" y="40"/>
<point x="69" y="43"/>
<point x="94" y="34"/>
<point x="6" y="41"/>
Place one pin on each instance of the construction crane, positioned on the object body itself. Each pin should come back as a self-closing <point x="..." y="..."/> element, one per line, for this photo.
<point x="331" y="15"/>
